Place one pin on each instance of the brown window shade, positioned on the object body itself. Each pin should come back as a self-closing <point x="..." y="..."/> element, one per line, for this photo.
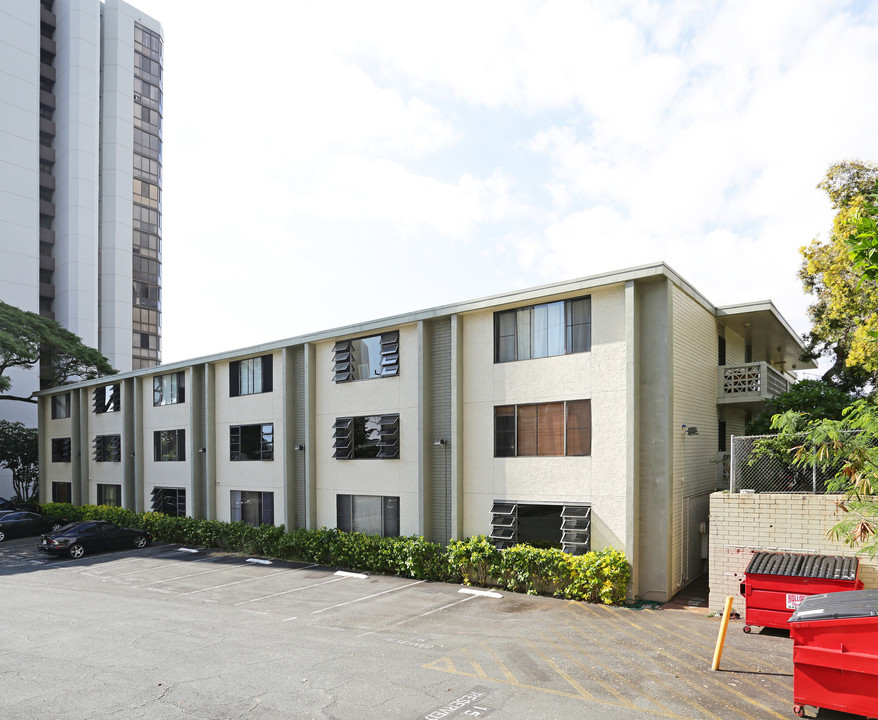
<point x="527" y="430"/>
<point x="550" y="429"/>
<point x="579" y="427"/>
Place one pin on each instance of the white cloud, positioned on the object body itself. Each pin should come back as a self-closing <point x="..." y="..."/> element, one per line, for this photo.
<point x="502" y="144"/>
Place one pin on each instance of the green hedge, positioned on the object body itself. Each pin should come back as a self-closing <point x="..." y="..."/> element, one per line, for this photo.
<point x="598" y="576"/>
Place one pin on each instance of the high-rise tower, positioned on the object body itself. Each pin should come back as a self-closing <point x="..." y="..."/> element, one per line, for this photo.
<point x="80" y="176"/>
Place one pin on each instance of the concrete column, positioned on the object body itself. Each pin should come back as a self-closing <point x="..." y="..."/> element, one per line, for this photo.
<point x="457" y="429"/>
<point x="310" y="519"/>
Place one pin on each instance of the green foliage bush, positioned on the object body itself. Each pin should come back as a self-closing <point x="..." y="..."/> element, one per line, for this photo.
<point x="598" y="576"/>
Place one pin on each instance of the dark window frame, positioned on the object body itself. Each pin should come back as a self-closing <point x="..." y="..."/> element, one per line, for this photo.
<point x="265" y="509"/>
<point x="104" y="488"/>
<point x="266" y="373"/>
<point x="107" y="448"/>
<point x="61" y="450"/>
<point x="243" y="440"/>
<point x="108" y="398"/>
<point x="347" y="369"/>
<point x="62" y="492"/>
<point x="354" y="439"/>
<point x="530" y="429"/>
<point x="518" y="332"/>
<point x="61" y="406"/>
<point x="170" y="501"/>
<point x="169" y="445"/>
<point x="345" y="508"/>
<point x="172" y="392"/>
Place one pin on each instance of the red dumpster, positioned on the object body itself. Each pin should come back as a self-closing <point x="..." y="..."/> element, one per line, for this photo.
<point x="835" y="652"/>
<point x="775" y="583"/>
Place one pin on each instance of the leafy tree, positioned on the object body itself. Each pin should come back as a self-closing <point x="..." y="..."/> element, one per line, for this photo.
<point x="814" y="398"/>
<point x="847" y="446"/>
<point x="27" y="338"/>
<point x="846" y="307"/>
<point x="863" y="239"/>
<point x="18" y="453"/>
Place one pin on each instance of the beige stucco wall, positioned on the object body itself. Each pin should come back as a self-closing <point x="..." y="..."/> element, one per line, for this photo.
<point x="598" y="375"/>
<point x="102" y="473"/>
<point x="258" y="475"/>
<point x="60" y="428"/>
<point x="375" y="396"/>
<point x="175" y="474"/>
<point x="741" y="524"/>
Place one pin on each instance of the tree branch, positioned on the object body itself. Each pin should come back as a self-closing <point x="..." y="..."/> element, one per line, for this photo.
<point x="29" y="399"/>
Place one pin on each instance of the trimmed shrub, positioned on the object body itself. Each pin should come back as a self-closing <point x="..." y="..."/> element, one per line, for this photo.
<point x="599" y="576"/>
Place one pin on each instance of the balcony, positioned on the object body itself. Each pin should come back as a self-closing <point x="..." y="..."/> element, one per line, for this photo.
<point x="749" y="383"/>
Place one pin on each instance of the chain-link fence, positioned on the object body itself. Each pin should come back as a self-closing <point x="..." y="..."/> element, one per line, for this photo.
<point x="759" y="463"/>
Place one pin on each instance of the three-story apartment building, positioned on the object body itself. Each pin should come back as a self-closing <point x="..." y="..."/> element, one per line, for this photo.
<point x="584" y="414"/>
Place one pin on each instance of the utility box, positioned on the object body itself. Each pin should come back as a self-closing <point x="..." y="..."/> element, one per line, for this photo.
<point x="835" y="652"/>
<point x="775" y="583"/>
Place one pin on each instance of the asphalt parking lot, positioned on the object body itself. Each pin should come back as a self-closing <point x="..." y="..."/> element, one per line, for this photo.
<point x="172" y="632"/>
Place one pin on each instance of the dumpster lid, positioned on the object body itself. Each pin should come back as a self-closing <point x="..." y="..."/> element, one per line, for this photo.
<point x="828" y="567"/>
<point x="832" y="606"/>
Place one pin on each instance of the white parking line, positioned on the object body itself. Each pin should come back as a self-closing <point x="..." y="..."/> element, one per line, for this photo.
<point x="350" y="602"/>
<point x="180" y="577"/>
<point x="417" y="617"/>
<point x="480" y="593"/>
<point x="236" y="582"/>
<point x="153" y="567"/>
<point x="287" y="592"/>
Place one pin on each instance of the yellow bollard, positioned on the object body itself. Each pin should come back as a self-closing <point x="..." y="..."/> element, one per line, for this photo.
<point x="721" y="638"/>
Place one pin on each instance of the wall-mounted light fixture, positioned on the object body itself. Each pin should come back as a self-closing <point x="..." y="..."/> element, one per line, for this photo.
<point x="202" y="450"/>
<point x="299" y="447"/>
<point x="690" y="430"/>
<point x="132" y="454"/>
<point x="441" y="441"/>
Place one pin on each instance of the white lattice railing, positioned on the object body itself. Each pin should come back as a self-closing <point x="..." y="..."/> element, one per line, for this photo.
<point x="750" y="381"/>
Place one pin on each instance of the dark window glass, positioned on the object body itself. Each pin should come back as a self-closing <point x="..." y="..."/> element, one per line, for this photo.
<point x="107" y="448"/>
<point x="252" y="507"/>
<point x="251" y="442"/>
<point x="722" y="436"/>
<point x="721" y="350"/>
<point x="170" y="501"/>
<point x="578" y="325"/>
<point x="60" y="449"/>
<point x="107" y="399"/>
<point x="504" y="431"/>
<point x="110" y="495"/>
<point x="368" y="514"/>
<point x="62" y="492"/>
<point x="169" y="445"/>
<point x="61" y="406"/>
<point x="368" y="436"/>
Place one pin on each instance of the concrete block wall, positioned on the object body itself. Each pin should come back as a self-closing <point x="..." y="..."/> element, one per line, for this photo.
<point x="741" y="524"/>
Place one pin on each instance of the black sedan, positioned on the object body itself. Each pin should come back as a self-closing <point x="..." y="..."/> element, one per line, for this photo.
<point x="13" y="505"/>
<point x="22" y="524"/>
<point x="76" y="539"/>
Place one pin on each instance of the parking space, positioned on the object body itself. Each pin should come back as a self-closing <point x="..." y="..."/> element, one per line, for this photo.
<point x="375" y="646"/>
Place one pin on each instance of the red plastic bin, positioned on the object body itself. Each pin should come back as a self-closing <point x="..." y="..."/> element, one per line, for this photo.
<point x="835" y="652"/>
<point x="775" y="584"/>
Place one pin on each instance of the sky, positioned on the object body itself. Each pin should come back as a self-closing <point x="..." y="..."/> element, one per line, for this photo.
<point x="332" y="163"/>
